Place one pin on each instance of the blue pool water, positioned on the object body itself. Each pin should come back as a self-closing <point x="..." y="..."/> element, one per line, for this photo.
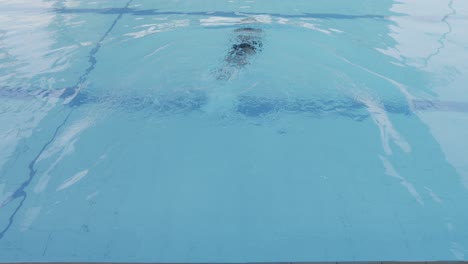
<point x="233" y="130"/>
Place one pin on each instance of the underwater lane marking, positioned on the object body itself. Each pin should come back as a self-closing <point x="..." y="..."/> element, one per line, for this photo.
<point x="249" y="105"/>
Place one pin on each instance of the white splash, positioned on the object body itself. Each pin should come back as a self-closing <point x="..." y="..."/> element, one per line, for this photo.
<point x="220" y="21"/>
<point x="308" y="25"/>
<point x="263" y="19"/>
<point x="150" y="29"/>
<point x="72" y="180"/>
<point x="390" y="171"/>
<point x="231" y="21"/>
<point x="283" y="21"/>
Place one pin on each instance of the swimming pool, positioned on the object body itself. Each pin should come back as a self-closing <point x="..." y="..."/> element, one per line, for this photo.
<point x="234" y="130"/>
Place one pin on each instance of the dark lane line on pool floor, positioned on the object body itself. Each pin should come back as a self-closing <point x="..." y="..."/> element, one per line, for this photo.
<point x="250" y="106"/>
<point x="68" y="96"/>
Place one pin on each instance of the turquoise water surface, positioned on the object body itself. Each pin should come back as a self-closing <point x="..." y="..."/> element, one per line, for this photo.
<point x="233" y="130"/>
